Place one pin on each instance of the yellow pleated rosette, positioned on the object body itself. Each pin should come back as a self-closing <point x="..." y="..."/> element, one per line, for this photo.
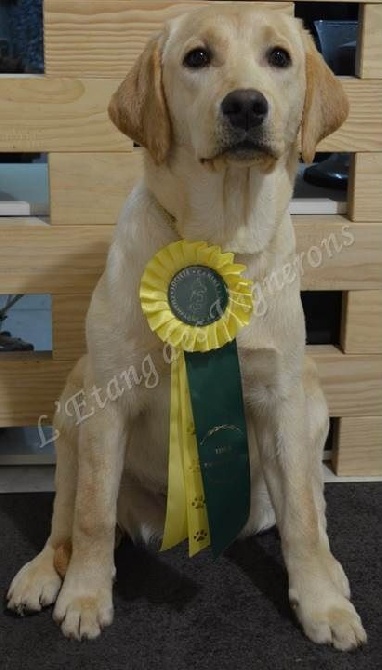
<point x="186" y="512"/>
<point x="155" y="303"/>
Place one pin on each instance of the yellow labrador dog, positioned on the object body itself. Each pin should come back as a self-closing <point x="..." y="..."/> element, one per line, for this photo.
<point x="217" y="100"/>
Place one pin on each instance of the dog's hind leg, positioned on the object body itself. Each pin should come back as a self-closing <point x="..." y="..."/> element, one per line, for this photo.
<point x="262" y="515"/>
<point x="37" y="584"/>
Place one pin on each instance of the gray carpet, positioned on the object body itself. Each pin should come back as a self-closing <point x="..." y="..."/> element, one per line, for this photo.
<point x="173" y="613"/>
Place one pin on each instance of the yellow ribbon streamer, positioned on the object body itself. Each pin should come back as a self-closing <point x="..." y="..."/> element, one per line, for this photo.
<point x="186" y="514"/>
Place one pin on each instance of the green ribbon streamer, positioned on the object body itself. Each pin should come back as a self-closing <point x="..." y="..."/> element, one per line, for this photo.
<point x="217" y="404"/>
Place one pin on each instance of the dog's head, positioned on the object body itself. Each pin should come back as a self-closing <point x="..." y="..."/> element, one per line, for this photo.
<point x="233" y="84"/>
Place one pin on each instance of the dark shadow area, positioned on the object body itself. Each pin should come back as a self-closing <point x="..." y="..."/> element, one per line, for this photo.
<point x="29" y="516"/>
<point x="21" y="36"/>
<point x="142" y="574"/>
<point x="261" y="560"/>
<point x="322" y="311"/>
<point x="329" y="439"/>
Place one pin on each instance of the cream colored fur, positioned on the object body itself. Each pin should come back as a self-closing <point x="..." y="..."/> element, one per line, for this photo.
<point x="113" y="465"/>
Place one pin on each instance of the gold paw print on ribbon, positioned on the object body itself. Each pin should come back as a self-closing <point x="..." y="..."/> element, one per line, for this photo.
<point x="198" y="502"/>
<point x="194" y="465"/>
<point x="200" y="535"/>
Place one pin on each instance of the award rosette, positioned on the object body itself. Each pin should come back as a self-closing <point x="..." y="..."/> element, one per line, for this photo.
<point x="196" y="300"/>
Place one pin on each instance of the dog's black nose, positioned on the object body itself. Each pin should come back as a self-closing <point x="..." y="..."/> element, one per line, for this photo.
<point x="245" y="108"/>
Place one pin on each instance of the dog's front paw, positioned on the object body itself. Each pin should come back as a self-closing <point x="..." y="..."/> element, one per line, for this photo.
<point x="82" y="614"/>
<point x="330" y="619"/>
<point x="35" y="586"/>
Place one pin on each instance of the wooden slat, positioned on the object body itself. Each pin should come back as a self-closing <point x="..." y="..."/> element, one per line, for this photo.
<point x="90" y="189"/>
<point x="51" y="259"/>
<point x="49" y="114"/>
<point x="362" y="322"/>
<point x="365" y="187"/>
<point x="98" y="184"/>
<point x="42" y="114"/>
<point x="106" y="37"/>
<point x="28" y="388"/>
<point x="362" y="333"/>
<point x="68" y="326"/>
<point x="70" y="259"/>
<point x="338" y="255"/>
<point x="352" y="383"/>
<point x="30" y="384"/>
<point x="351" y="1"/>
<point x="369" y="42"/>
<point x="358" y="450"/>
<point x="363" y="128"/>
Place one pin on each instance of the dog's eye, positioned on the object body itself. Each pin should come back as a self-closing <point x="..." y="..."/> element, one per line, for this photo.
<point x="278" y="57"/>
<point x="197" y="58"/>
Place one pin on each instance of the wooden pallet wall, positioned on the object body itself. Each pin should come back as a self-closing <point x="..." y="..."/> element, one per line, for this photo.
<point x="89" y="46"/>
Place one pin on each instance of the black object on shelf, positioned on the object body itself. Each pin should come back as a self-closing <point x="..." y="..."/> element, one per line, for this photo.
<point x="10" y="343"/>
<point x="337" y="42"/>
<point x="331" y="173"/>
<point x="7" y="341"/>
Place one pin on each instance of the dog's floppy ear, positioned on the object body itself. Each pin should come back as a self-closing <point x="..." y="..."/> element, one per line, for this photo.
<point x="326" y="105"/>
<point x="138" y="108"/>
